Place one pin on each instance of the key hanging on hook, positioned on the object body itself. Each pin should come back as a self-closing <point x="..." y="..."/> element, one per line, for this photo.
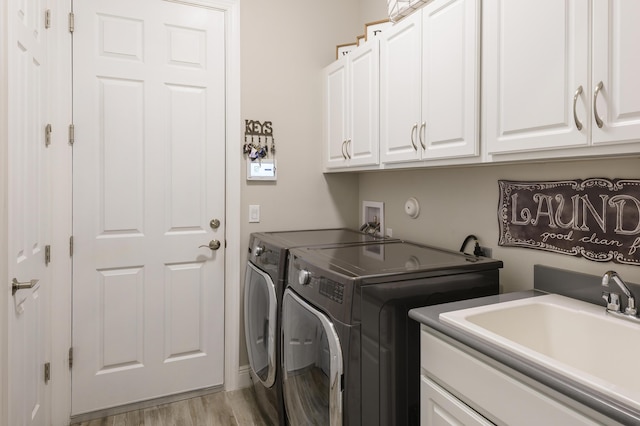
<point x="246" y="148"/>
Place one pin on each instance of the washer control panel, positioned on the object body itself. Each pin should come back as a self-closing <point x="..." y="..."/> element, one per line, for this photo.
<point x="332" y="290"/>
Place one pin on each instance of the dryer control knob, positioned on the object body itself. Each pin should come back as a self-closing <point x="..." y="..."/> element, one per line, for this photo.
<point x="304" y="277"/>
<point x="259" y="250"/>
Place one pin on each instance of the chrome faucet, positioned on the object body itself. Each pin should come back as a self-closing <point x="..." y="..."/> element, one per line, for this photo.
<point x="613" y="299"/>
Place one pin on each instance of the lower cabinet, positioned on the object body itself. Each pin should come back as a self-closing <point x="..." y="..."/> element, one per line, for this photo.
<point x="462" y="386"/>
<point x="439" y="407"/>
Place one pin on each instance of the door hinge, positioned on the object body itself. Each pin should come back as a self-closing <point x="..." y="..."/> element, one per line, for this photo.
<point x="71" y="246"/>
<point x="72" y="22"/>
<point x="47" y="255"/>
<point x="72" y="134"/>
<point x="47" y="135"/>
<point x="70" y="357"/>
<point x="47" y="372"/>
<point x="47" y="18"/>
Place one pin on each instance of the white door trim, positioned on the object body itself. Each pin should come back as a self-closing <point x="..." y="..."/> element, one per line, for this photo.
<point x="233" y="258"/>
<point x="4" y="245"/>
<point x="61" y="151"/>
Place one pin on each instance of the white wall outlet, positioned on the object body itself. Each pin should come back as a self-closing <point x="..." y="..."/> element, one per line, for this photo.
<point x="254" y="213"/>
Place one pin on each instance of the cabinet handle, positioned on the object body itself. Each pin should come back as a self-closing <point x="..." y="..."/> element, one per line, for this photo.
<point x="413" y="136"/>
<point x="344" y="143"/>
<point x="595" y="108"/>
<point x="575" y="115"/>
<point x="347" y="146"/>
<point x="422" y="135"/>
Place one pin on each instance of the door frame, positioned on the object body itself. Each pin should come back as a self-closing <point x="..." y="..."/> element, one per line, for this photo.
<point x="4" y="245"/>
<point x="62" y="196"/>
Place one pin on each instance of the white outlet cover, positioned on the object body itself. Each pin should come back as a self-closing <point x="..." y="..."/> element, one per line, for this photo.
<point x="412" y="207"/>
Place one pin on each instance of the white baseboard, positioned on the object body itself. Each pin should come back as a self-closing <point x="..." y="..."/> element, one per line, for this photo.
<point x="244" y="379"/>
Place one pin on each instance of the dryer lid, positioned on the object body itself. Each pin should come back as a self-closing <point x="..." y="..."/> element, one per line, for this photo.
<point x="393" y="259"/>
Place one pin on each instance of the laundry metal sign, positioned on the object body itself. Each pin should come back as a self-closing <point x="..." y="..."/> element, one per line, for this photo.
<point x="596" y="218"/>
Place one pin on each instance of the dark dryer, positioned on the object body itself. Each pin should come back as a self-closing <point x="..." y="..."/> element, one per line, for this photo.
<point x="350" y="352"/>
<point x="264" y="286"/>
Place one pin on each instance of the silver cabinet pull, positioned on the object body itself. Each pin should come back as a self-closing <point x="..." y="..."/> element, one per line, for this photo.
<point x="599" y="122"/>
<point x="16" y="285"/>
<point x="348" y="145"/>
<point x="422" y="135"/>
<point x="413" y="136"/>
<point x="344" y="144"/>
<point x="213" y="245"/>
<point x="575" y="115"/>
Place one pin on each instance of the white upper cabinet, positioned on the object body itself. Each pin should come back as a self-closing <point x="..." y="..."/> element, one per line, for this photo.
<point x="429" y="84"/>
<point x="539" y="93"/>
<point x="616" y="63"/>
<point x="535" y="58"/>
<point x="350" y="109"/>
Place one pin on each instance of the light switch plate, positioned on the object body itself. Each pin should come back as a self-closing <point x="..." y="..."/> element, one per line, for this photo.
<point x="254" y="213"/>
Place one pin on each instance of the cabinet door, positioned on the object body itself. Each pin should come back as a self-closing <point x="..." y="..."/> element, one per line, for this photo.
<point x="400" y="90"/>
<point x="439" y="407"/>
<point x="616" y="65"/>
<point x="535" y="56"/>
<point x="363" y="131"/>
<point x="334" y="114"/>
<point x="451" y="73"/>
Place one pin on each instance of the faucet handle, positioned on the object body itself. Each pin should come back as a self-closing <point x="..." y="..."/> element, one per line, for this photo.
<point x="613" y="301"/>
<point x="631" y="307"/>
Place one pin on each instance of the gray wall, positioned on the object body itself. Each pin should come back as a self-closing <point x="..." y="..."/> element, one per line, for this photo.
<point x="456" y="202"/>
<point x="284" y="46"/>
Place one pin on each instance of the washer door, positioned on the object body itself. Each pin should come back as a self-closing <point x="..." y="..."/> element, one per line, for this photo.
<point x="260" y="323"/>
<point x="312" y="364"/>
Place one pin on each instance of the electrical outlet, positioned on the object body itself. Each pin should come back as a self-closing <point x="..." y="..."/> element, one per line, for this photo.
<point x="486" y="251"/>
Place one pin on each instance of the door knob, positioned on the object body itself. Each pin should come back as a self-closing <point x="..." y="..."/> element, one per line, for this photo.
<point x="16" y="285"/>
<point x="213" y="245"/>
<point x="214" y="223"/>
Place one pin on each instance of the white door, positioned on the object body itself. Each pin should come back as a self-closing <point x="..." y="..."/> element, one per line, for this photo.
<point x="616" y="65"/>
<point x="29" y="207"/>
<point x="400" y="90"/>
<point x="450" y="79"/>
<point x="149" y="175"/>
<point x="535" y="58"/>
<point x="364" y="104"/>
<point x="335" y="114"/>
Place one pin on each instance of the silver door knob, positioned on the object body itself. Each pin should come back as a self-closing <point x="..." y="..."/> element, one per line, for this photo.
<point x="214" y="224"/>
<point x="213" y="245"/>
<point x="16" y="285"/>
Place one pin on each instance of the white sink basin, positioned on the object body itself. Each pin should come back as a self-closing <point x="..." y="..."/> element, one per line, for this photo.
<point x="573" y="338"/>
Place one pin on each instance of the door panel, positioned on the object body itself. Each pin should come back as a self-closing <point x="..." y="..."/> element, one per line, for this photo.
<point x="530" y="75"/>
<point x="615" y="64"/>
<point x="149" y="114"/>
<point x="400" y="90"/>
<point x="29" y="212"/>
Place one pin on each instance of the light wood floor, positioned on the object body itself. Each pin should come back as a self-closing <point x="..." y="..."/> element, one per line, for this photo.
<point x="220" y="408"/>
